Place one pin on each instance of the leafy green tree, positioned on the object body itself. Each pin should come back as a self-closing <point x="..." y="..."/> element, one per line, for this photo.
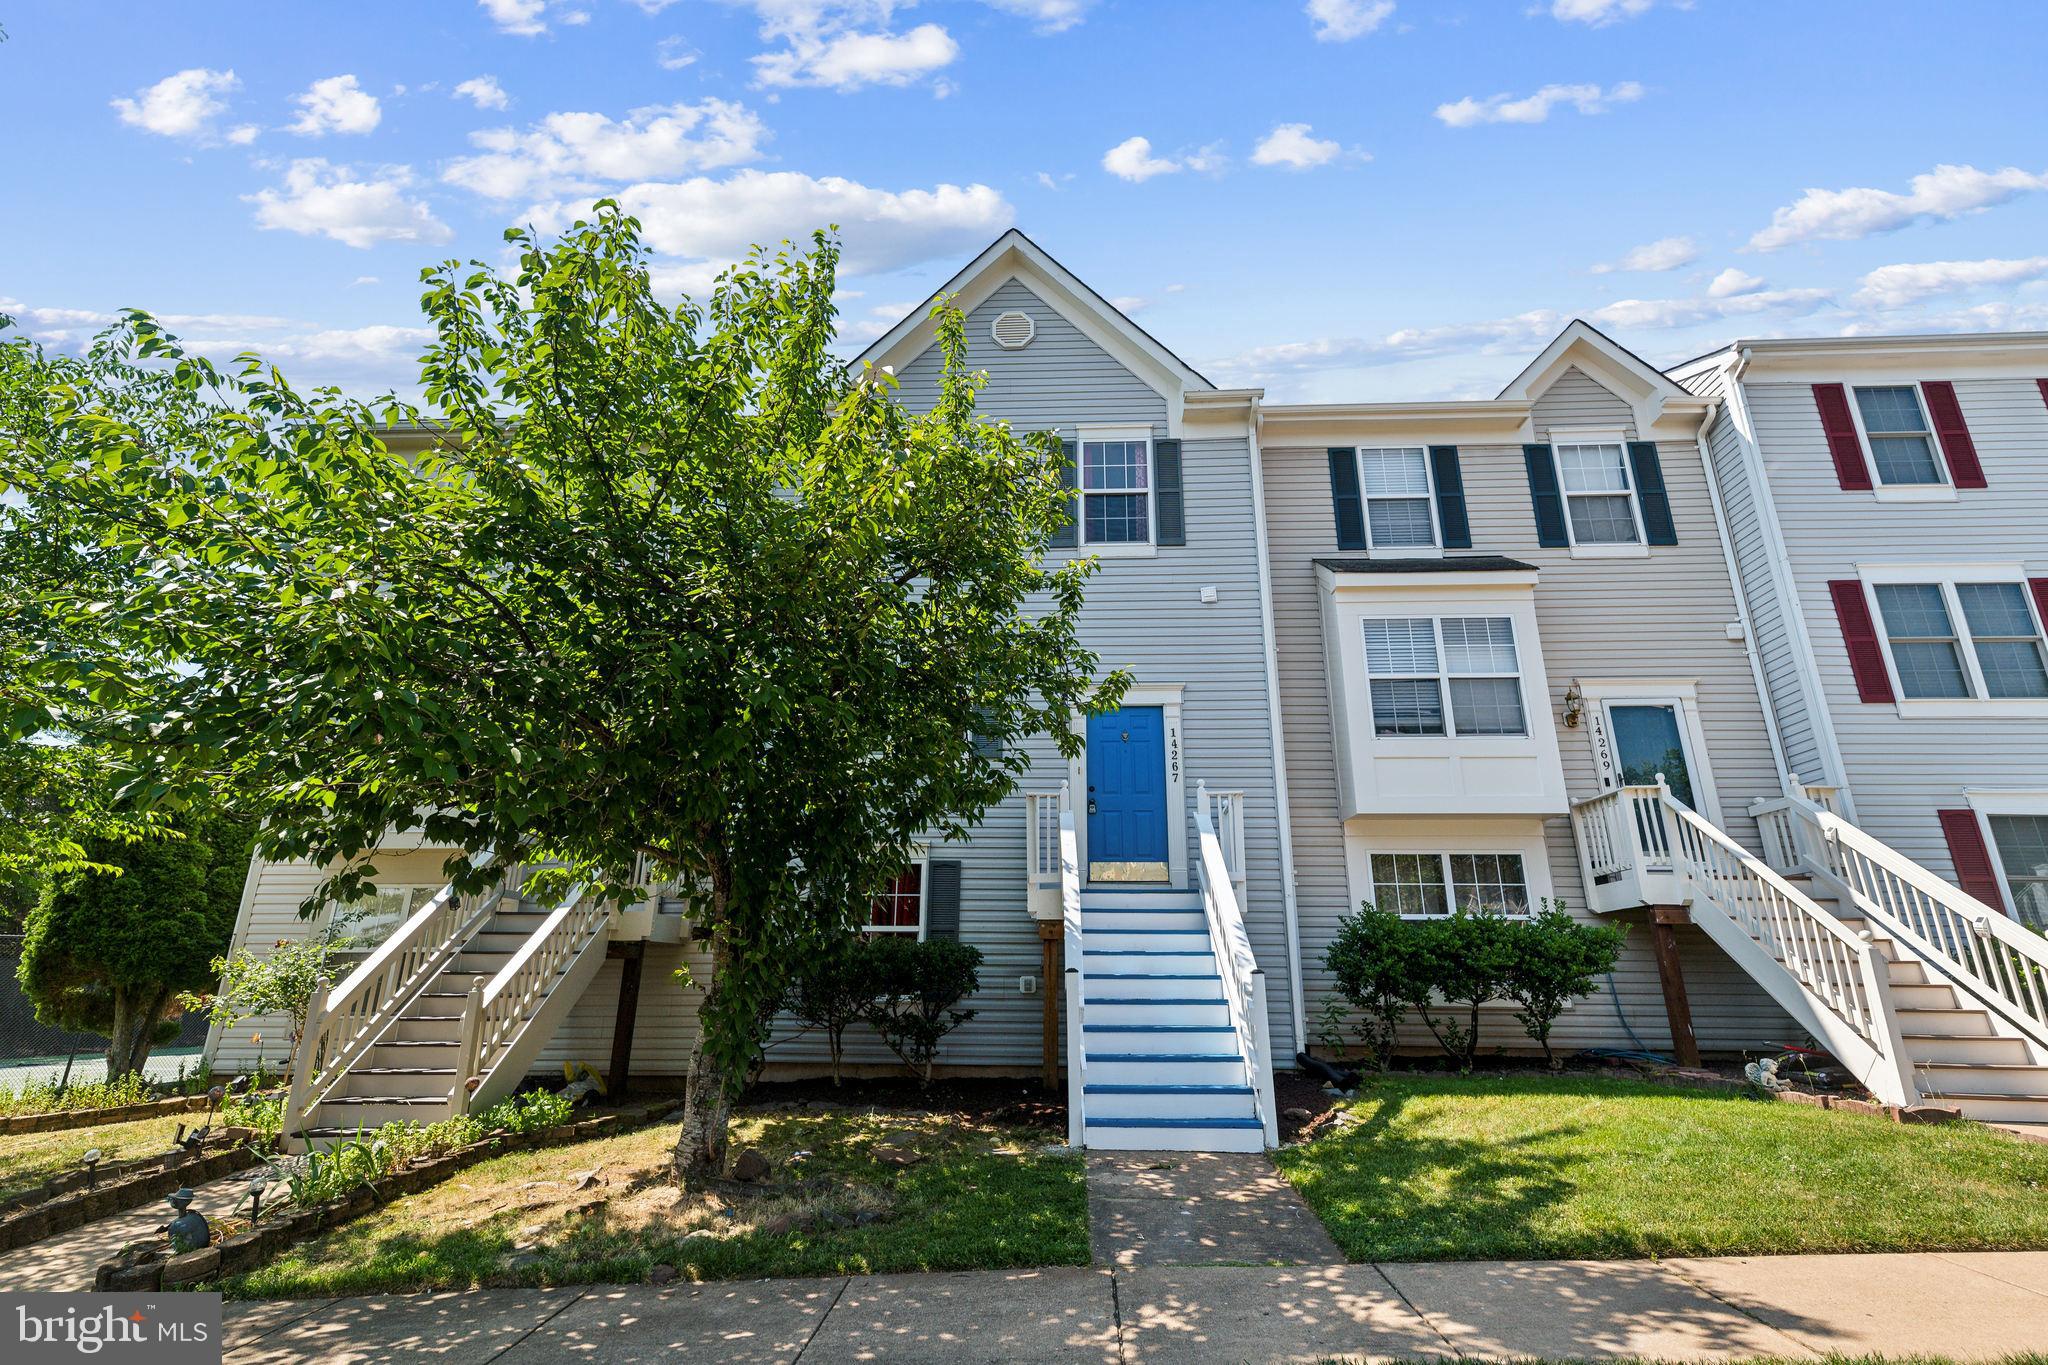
<point x="640" y="580"/>
<point x="109" y="954"/>
<point x="1554" y="961"/>
<point x="280" y="981"/>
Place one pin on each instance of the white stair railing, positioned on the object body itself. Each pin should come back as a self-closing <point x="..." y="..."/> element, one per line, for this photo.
<point x="1652" y="850"/>
<point x="1952" y="933"/>
<point x="1074" y="977"/>
<point x="494" y="1012"/>
<point x="1244" y="984"/>
<point x="343" y="1022"/>
<point x="1042" y="813"/>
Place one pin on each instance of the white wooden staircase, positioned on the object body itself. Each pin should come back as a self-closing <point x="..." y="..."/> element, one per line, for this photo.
<point x="1926" y="994"/>
<point x="1167" y="1040"/>
<point x="446" y="1015"/>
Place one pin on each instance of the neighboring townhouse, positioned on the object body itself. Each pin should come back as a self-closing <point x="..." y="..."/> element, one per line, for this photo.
<point x="1435" y="655"/>
<point x="1888" y="500"/>
<point x="1486" y="612"/>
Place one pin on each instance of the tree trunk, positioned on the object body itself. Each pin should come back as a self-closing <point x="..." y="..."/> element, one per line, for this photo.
<point x="118" y="1045"/>
<point x="707" y="1103"/>
<point x="838" y="1037"/>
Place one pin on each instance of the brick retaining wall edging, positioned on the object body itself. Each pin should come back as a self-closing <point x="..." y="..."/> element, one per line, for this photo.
<point x="251" y="1249"/>
<point x="57" y="1120"/>
<point x="141" y="1181"/>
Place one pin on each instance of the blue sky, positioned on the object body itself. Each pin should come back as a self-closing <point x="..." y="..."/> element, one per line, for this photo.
<point x="1344" y="199"/>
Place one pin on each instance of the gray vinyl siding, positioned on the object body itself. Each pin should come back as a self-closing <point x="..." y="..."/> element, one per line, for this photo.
<point x="1770" y="623"/>
<point x="1663" y="617"/>
<point x="1900" y="772"/>
<point x="1144" y="615"/>
<point x="1579" y="400"/>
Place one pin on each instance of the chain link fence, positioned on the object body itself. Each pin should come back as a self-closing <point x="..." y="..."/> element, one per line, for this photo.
<point x="31" y="1051"/>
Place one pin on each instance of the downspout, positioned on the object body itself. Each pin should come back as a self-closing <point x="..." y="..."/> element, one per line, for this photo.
<point x="1787" y="586"/>
<point x="1749" y="646"/>
<point x="1295" y="999"/>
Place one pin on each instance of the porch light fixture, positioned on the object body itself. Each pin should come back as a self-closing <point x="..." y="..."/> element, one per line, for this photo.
<point x="1574" y="706"/>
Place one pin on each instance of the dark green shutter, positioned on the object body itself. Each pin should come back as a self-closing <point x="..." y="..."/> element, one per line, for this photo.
<point x="942" y="898"/>
<point x="1350" y="507"/>
<point x="1450" y="497"/>
<point x="1171" y="517"/>
<point x="1649" y="476"/>
<point x="1543" y="492"/>
<point x="1068" y="536"/>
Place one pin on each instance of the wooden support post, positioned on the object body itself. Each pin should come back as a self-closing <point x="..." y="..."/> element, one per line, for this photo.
<point x="1664" y="922"/>
<point x="1051" y="944"/>
<point x="632" y="956"/>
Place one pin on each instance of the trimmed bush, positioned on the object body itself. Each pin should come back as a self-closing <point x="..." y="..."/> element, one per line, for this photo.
<point x="1555" y="960"/>
<point x="1374" y="960"/>
<point x="835" y="989"/>
<point x="916" y="987"/>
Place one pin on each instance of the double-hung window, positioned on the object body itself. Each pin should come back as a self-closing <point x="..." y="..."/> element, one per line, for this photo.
<point x="369" y="921"/>
<point x="1901" y="443"/>
<point x="899" y="909"/>
<point x="1453" y="675"/>
<point x="1995" y="655"/>
<point x="1599" y="496"/>
<point x="1116" y="497"/>
<point x="2023" y="851"/>
<point x="1398" y="508"/>
<point x="1430" y="885"/>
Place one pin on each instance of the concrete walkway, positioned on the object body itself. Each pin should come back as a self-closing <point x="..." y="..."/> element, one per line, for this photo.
<point x="1199" y="1208"/>
<point x="69" y="1260"/>
<point x="1968" y="1307"/>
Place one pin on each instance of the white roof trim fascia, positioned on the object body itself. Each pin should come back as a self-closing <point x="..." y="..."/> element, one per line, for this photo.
<point x="1646" y="389"/>
<point x="1015" y="256"/>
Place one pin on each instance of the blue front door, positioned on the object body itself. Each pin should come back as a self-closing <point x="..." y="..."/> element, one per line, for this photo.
<point x="1127" y="795"/>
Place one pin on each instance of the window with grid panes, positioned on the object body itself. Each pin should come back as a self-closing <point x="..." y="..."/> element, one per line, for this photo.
<point x="1116" y="492"/>
<point x="1425" y="885"/>
<point x="1901" y="445"/>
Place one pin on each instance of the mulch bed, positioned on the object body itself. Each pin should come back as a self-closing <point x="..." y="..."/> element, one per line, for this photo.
<point x="1018" y="1103"/>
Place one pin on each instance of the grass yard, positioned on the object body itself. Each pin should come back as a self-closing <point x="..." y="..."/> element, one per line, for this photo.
<point x="28" y="1159"/>
<point x="1535" y="1167"/>
<point x="983" y="1197"/>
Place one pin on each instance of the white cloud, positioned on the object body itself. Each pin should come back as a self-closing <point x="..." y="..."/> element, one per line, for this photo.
<point x="1656" y="314"/>
<point x="181" y="105"/>
<point x="361" y="280"/>
<point x="522" y="18"/>
<point x="319" y="199"/>
<point x="1587" y="99"/>
<point x="336" y="105"/>
<point x="242" y="134"/>
<point x="1944" y="193"/>
<point x="1339" y="21"/>
<point x="715" y="221"/>
<point x="1292" y="146"/>
<point x="1132" y="160"/>
<point x="1130" y="303"/>
<point x="850" y="60"/>
<point x="1598" y="13"/>
<point x="672" y="54"/>
<point x="1731" y="282"/>
<point x="1666" y="253"/>
<point x="570" y="153"/>
<point x="1051" y="16"/>
<point x="1893" y="286"/>
<point x="484" y="92"/>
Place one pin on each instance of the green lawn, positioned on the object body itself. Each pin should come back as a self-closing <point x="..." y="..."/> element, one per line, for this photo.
<point x="28" y="1159"/>
<point x="983" y="1198"/>
<point x="1482" y="1168"/>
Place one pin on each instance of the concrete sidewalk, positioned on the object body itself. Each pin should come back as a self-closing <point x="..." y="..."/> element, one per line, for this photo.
<point x="1970" y="1307"/>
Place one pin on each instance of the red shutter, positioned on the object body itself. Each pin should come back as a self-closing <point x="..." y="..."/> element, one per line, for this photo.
<point x="1859" y="632"/>
<point x="1972" y="859"/>
<point x="1843" y="443"/>
<point x="2042" y="385"/>
<point x="1947" y="415"/>
<point x="2040" y="587"/>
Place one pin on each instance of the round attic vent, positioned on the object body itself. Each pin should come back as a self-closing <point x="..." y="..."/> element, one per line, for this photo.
<point x="1013" y="331"/>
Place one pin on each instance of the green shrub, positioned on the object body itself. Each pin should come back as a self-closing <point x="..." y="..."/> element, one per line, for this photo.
<point x="834" y="989"/>
<point x="528" y="1113"/>
<point x="1464" y="959"/>
<point x="46" y="1097"/>
<point x="1374" y="958"/>
<point x="917" y="986"/>
<point x="1555" y="959"/>
<point x="264" y="1113"/>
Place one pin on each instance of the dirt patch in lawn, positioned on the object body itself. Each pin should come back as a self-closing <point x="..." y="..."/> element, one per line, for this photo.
<point x="1006" y="1102"/>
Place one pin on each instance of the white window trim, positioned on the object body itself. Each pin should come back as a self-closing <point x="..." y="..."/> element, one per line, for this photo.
<point x="1444" y="835"/>
<point x="1444" y="676"/>
<point x="1587" y="436"/>
<point x="1435" y="548"/>
<point x="1978" y="705"/>
<point x="1116" y="549"/>
<point x="1603" y="693"/>
<point x="1987" y="802"/>
<point x="1945" y="491"/>
<point x="1443" y="858"/>
<point x="921" y="860"/>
